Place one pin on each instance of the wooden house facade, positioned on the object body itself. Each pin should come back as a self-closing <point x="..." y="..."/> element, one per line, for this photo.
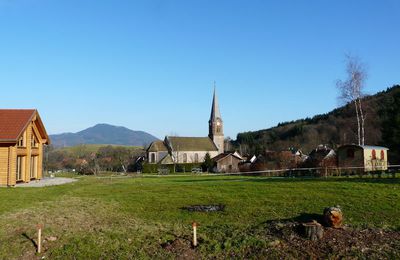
<point x="362" y="158"/>
<point x="227" y="162"/>
<point x="22" y="136"/>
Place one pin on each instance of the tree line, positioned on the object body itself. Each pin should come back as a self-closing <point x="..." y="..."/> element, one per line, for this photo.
<point x="88" y="159"/>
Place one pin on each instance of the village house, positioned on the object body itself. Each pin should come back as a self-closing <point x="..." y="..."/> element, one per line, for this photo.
<point x="362" y="158"/>
<point x="175" y="149"/>
<point x="227" y="162"/>
<point x="22" y="136"/>
<point x="321" y="157"/>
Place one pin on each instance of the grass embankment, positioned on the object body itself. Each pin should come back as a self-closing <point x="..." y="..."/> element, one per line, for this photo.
<point x="133" y="217"/>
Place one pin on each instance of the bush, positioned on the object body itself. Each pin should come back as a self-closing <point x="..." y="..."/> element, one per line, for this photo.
<point x="182" y="167"/>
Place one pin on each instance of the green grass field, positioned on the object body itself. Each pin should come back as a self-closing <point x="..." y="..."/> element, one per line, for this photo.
<point x="124" y="218"/>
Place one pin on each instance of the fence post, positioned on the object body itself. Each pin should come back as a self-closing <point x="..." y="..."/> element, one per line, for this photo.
<point x="194" y="225"/>
<point x="39" y="241"/>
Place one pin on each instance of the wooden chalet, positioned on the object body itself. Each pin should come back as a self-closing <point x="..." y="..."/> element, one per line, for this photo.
<point x="22" y="136"/>
<point x="362" y="158"/>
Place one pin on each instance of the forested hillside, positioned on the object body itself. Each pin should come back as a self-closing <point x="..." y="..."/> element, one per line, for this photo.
<point x="103" y="134"/>
<point x="382" y="127"/>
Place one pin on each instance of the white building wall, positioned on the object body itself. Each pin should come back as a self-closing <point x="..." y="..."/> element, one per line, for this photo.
<point x="190" y="155"/>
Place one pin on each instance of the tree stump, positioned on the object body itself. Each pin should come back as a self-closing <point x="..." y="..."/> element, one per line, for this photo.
<point x="313" y="230"/>
<point x="333" y="217"/>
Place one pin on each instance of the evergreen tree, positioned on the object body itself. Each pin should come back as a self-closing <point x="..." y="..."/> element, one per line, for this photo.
<point x="208" y="164"/>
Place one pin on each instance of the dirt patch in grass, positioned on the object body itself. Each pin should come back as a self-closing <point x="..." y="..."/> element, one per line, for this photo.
<point x="288" y="241"/>
<point x="182" y="249"/>
<point x="205" y="208"/>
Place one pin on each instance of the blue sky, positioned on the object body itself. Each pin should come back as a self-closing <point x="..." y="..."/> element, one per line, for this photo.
<point x="150" y="65"/>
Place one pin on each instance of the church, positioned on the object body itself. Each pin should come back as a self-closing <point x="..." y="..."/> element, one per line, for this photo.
<point x="176" y="149"/>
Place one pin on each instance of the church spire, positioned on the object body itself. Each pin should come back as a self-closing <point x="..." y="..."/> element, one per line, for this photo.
<point x="215" y="107"/>
<point x="215" y="124"/>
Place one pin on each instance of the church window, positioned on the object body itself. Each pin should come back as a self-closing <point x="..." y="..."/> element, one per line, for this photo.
<point x="152" y="158"/>
<point x="185" y="158"/>
<point x="382" y="155"/>
<point x="373" y="155"/>
<point x="196" y="157"/>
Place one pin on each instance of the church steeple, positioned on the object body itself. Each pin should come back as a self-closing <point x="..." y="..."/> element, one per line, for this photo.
<point x="215" y="108"/>
<point x="215" y="124"/>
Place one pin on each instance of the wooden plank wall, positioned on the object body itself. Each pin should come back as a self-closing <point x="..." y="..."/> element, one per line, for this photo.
<point x="3" y="165"/>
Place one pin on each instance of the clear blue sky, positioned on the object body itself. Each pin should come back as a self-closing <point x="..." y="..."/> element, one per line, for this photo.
<point x="150" y="65"/>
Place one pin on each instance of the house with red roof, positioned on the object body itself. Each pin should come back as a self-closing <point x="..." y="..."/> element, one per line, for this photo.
<point x="22" y="137"/>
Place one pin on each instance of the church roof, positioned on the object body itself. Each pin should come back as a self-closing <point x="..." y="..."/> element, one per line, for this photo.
<point x="215" y="113"/>
<point x="167" y="160"/>
<point x="191" y="143"/>
<point x="157" y="146"/>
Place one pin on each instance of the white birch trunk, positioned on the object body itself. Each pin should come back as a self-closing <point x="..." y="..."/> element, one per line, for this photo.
<point x="362" y="117"/>
<point x="358" y="123"/>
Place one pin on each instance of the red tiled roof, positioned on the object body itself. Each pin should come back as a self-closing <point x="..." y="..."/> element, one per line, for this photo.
<point x="13" y="122"/>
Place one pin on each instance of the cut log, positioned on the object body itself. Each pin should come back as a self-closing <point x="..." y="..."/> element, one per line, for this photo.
<point x="313" y="230"/>
<point x="333" y="217"/>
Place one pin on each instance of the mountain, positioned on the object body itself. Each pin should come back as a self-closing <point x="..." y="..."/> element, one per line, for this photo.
<point x="382" y="127"/>
<point x="103" y="134"/>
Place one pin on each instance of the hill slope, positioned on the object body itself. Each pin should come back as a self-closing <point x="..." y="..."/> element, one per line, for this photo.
<point x="382" y="127"/>
<point x="103" y="134"/>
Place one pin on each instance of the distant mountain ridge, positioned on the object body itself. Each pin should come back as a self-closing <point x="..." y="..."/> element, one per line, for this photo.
<point x="103" y="134"/>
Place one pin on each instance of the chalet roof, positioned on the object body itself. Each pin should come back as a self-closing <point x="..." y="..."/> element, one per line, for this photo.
<point x="13" y="122"/>
<point x="374" y="147"/>
<point x="191" y="143"/>
<point x="157" y="146"/>
<point x="224" y="155"/>
<point x="369" y="147"/>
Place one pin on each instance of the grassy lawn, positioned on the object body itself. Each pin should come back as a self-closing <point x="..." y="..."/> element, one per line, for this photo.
<point x="123" y="218"/>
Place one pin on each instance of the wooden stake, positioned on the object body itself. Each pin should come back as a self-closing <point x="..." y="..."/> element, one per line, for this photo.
<point x="194" y="225"/>
<point x="39" y="241"/>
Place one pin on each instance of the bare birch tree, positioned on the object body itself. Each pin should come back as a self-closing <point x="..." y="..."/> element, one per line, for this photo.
<point x="351" y="91"/>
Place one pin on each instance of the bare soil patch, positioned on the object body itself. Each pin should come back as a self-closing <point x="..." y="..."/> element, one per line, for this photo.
<point x="182" y="249"/>
<point x="337" y="243"/>
<point x="205" y="208"/>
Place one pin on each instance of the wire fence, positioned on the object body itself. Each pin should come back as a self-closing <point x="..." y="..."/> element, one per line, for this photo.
<point x="390" y="171"/>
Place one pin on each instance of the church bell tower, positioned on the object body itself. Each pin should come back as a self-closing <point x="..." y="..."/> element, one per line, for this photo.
<point x="215" y="125"/>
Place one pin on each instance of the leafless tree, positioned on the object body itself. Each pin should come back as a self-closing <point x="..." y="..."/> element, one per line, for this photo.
<point x="227" y="144"/>
<point x="351" y="91"/>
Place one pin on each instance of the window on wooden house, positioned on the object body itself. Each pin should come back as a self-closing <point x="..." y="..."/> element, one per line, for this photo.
<point x="34" y="141"/>
<point x="373" y="155"/>
<point x="19" y="169"/>
<point x="21" y="141"/>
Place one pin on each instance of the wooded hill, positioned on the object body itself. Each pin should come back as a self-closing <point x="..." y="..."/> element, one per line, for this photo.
<point x="382" y="127"/>
<point x="103" y="134"/>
